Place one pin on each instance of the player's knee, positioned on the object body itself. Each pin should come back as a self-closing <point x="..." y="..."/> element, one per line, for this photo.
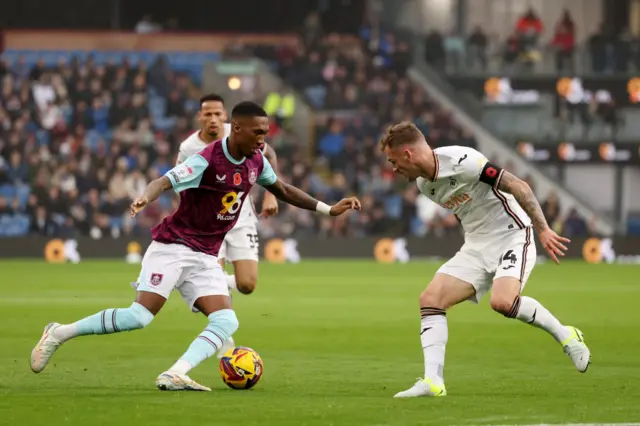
<point x="247" y="284"/>
<point x="134" y="317"/>
<point x="432" y="298"/>
<point x="225" y="322"/>
<point x="501" y="303"/>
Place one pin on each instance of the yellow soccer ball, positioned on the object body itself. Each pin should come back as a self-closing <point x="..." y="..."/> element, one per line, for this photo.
<point x="241" y="368"/>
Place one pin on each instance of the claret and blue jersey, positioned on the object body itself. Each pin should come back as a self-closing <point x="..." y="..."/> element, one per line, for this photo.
<point x="212" y="187"/>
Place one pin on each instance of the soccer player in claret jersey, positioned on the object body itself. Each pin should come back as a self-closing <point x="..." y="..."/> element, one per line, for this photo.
<point x="497" y="211"/>
<point x="213" y="185"/>
<point x="240" y="246"/>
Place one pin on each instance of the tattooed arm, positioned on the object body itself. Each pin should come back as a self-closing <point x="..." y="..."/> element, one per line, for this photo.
<point x="523" y="194"/>
<point x="552" y="242"/>
<point x="504" y="181"/>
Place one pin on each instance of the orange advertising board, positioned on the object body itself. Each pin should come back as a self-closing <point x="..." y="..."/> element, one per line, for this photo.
<point x="108" y="40"/>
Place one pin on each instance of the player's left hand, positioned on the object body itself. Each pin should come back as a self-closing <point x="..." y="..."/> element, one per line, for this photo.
<point x="269" y="205"/>
<point x="138" y="205"/>
<point x="553" y="243"/>
<point x="351" y="203"/>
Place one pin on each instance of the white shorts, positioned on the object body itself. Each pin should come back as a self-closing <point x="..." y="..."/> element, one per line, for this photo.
<point x="482" y="261"/>
<point x="241" y="243"/>
<point x="166" y="267"/>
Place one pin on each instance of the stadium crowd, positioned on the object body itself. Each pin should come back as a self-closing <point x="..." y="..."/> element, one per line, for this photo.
<point x="78" y="141"/>
<point x="526" y="47"/>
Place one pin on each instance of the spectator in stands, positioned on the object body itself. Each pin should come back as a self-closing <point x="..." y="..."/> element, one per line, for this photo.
<point x="454" y="46"/>
<point x="311" y="31"/>
<point x="41" y="223"/>
<point x="608" y="112"/>
<point x="622" y="50"/>
<point x="564" y="43"/>
<point x="477" y="49"/>
<point x="528" y="31"/>
<point x="332" y="144"/>
<point x="434" y="52"/>
<point x="5" y="208"/>
<point x="598" y="50"/>
<point x="575" y="225"/>
<point x="147" y="25"/>
<point x="551" y="210"/>
<point x="512" y="50"/>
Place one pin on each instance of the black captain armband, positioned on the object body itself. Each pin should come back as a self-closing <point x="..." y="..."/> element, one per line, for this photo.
<point x="491" y="174"/>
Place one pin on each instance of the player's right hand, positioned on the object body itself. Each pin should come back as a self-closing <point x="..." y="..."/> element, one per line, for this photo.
<point x="553" y="243"/>
<point x="138" y="205"/>
<point x="351" y="203"/>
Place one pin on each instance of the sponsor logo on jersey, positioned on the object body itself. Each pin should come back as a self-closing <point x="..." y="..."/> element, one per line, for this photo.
<point x="231" y="203"/>
<point x="221" y="178"/>
<point x="253" y="176"/>
<point x="456" y="201"/>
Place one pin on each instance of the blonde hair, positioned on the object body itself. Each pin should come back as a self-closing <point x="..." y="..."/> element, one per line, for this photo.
<point x="400" y="134"/>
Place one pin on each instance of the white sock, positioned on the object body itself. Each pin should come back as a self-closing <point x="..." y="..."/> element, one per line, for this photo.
<point x="433" y="335"/>
<point x="532" y="312"/>
<point x="65" y="332"/>
<point x="181" y="367"/>
<point x="231" y="281"/>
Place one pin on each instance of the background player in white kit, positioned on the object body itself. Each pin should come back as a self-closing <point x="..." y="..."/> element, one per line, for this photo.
<point x="241" y="244"/>
<point x="497" y="211"/>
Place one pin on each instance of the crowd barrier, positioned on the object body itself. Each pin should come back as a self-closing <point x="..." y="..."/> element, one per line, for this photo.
<point x="385" y="250"/>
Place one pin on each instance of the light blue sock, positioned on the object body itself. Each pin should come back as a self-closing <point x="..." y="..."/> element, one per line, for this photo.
<point x="106" y="322"/>
<point x="222" y="325"/>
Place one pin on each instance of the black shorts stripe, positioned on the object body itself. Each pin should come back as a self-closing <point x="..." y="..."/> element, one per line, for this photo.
<point x="524" y="253"/>
<point x="507" y="209"/>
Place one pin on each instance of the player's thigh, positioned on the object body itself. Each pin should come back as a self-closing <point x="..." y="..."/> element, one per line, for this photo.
<point x="246" y="272"/>
<point x="517" y="260"/>
<point x="461" y="278"/>
<point x="205" y="287"/>
<point x="152" y="301"/>
<point x="212" y="303"/>
<point x="161" y="271"/>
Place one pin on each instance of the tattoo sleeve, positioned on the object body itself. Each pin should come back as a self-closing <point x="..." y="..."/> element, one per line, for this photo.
<point x="292" y="195"/>
<point x="522" y="192"/>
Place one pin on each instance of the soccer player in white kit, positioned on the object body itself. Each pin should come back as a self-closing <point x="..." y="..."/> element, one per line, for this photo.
<point x="497" y="212"/>
<point x="241" y="244"/>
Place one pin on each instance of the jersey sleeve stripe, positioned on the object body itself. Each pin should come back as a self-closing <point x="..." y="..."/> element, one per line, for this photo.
<point x="507" y="209"/>
<point x="495" y="185"/>
<point x="437" y="166"/>
<point x="524" y="254"/>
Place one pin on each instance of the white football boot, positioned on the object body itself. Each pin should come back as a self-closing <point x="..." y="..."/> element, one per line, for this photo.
<point x="168" y="381"/>
<point x="575" y="347"/>
<point x="46" y="347"/>
<point x="423" y="387"/>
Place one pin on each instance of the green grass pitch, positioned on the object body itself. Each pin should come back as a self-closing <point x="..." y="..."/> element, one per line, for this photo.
<point x="338" y="339"/>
